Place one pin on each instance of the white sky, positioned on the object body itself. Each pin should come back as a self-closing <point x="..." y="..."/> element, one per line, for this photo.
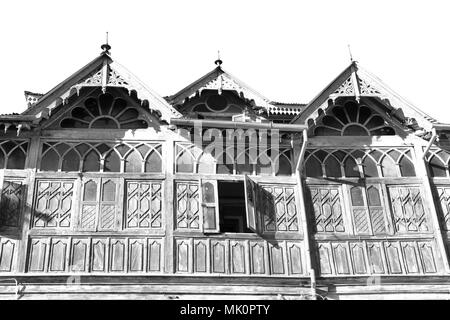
<point x="286" y="50"/>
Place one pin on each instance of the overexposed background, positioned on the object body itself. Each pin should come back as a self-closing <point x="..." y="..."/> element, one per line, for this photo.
<point x="287" y="50"/>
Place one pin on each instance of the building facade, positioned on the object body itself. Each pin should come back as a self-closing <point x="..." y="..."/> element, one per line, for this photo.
<point x="109" y="190"/>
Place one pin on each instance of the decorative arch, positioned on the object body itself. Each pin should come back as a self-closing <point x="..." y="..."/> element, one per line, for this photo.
<point x="352" y="119"/>
<point x="104" y="111"/>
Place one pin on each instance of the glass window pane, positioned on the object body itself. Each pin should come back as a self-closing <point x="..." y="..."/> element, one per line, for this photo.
<point x="284" y="166"/>
<point x="109" y="191"/>
<point x="91" y="162"/>
<point x="357" y="196"/>
<point x="373" y="196"/>
<point x="351" y="168"/>
<point x="185" y="162"/>
<point x="153" y="162"/>
<point x="16" y="159"/>
<point x="112" y="162"/>
<point x="437" y="168"/>
<point x="208" y="192"/>
<point x="370" y="167"/>
<point x="50" y="161"/>
<point x="332" y="168"/>
<point x="389" y="168"/>
<point x="407" y="168"/>
<point x="313" y="168"/>
<point x="133" y="162"/>
<point x="90" y="191"/>
<point x="71" y="161"/>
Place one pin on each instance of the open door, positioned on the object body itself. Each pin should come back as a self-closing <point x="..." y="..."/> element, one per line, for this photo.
<point x="210" y="206"/>
<point x="250" y="203"/>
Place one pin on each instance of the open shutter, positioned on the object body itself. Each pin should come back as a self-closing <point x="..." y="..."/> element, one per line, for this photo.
<point x="210" y="206"/>
<point x="250" y="203"/>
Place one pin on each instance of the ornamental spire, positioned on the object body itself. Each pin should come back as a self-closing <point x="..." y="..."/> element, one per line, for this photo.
<point x="218" y="62"/>
<point x="106" y="47"/>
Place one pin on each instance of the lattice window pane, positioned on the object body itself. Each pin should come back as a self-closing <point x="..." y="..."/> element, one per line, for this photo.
<point x="11" y="201"/>
<point x="278" y="207"/>
<point x="326" y="205"/>
<point x="187" y="205"/>
<point x="53" y="204"/>
<point x="408" y="210"/>
<point x="144" y="204"/>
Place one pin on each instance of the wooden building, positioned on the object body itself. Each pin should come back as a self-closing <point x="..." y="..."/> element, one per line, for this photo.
<point x="109" y="190"/>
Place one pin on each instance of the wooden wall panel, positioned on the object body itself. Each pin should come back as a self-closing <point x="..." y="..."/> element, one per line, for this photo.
<point x="8" y="253"/>
<point x="79" y="255"/>
<point x="206" y="255"/>
<point x="97" y="255"/>
<point x="367" y="257"/>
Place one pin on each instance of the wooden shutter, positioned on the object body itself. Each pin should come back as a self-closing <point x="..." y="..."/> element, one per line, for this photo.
<point x="210" y="208"/>
<point x="250" y="203"/>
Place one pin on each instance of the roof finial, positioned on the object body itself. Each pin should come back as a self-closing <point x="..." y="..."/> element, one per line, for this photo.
<point x="218" y="62"/>
<point x="350" y="52"/>
<point x="106" y="47"/>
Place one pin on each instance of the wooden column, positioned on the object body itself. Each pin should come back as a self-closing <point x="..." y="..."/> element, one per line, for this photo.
<point x="429" y="199"/>
<point x="30" y="167"/>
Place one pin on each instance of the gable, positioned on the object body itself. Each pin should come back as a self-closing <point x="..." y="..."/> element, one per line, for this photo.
<point x="102" y="73"/>
<point x="359" y="84"/>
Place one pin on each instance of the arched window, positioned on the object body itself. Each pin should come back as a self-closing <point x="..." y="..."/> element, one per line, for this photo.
<point x="332" y="167"/>
<point x="133" y="162"/>
<point x="90" y="191"/>
<point x="370" y="167"/>
<point x="16" y="159"/>
<point x="185" y="162"/>
<point x="351" y="168"/>
<point x="388" y="167"/>
<point x="284" y="165"/>
<point x="264" y="164"/>
<point x="112" y="162"/>
<point x="313" y="167"/>
<point x="50" y="160"/>
<point x="243" y="165"/>
<point x="153" y="162"/>
<point x="91" y="162"/>
<point x="71" y="161"/>
<point x="437" y="166"/>
<point x="206" y="163"/>
<point x="406" y="167"/>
